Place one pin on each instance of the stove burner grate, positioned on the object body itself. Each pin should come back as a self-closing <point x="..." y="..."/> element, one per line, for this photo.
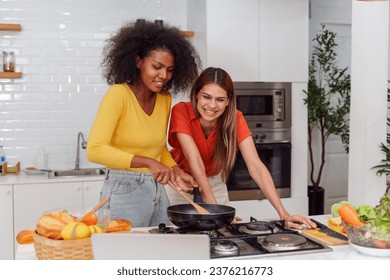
<point x="260" y="226"/>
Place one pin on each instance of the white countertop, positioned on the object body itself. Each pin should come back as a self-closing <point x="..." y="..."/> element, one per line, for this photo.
<point x="23" y="178"/>
<point x="342" y="252"/>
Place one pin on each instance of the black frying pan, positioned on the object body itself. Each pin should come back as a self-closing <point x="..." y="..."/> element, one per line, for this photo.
<point x="185" y="216"/>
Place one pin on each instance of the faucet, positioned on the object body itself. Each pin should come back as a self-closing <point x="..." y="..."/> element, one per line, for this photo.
<point x="83" y="145"/>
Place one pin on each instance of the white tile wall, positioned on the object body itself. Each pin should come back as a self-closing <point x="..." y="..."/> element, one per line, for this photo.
<point x="59" y="53"/>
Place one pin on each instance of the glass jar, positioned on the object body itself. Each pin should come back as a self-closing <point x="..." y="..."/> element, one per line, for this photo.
<point x="8" y="61"/>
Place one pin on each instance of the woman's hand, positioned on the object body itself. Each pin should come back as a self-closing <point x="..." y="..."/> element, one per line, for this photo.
<point x="299" y="222"/>
<point x="160" y="172"/>
<point x="182" y="180"/>
<point x="236" y="220"/>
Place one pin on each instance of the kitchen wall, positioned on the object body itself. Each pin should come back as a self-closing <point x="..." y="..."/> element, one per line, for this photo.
<point x="58" y="52"/>
<point x="337" y="16"/>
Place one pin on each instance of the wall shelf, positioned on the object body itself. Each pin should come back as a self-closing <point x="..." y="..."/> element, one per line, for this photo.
<point x="10" y="27"/>
<point x="10" y="75"/>
<point x="187" y="33"/>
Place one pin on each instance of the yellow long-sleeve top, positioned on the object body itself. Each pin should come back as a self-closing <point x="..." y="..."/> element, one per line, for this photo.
<point x="122" y="130"/>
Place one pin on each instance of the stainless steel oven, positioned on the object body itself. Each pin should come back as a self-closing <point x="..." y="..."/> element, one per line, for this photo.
<point x="267" y="110"/>
<point x="277" y="158"/>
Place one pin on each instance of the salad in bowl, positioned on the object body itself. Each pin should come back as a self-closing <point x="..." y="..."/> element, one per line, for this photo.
<point x="367" y="227"/>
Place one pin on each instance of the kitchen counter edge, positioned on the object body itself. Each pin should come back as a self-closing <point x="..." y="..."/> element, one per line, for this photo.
<point x="22" y="178"/>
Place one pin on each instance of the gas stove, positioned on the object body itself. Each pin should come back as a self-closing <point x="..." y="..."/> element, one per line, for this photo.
<point x="252" y="239"/>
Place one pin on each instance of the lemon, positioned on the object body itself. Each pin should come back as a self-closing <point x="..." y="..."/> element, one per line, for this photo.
<point x="335" y="223"/>
<point x="95" y="229"/>
<point x="316" y="233"/>
<point x="75" y="230"/>
<point x="336" y="207"/>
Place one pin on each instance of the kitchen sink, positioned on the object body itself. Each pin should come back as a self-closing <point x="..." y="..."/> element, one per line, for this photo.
<point x="77" y="172"/>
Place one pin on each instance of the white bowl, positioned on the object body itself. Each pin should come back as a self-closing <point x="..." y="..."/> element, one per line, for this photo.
<point x="377" y="252"/>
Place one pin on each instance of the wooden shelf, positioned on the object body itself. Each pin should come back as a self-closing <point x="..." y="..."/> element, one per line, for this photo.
<point x="10" y="26"/>
<point x="187" y="33"/>
<point x="11" y="75"/>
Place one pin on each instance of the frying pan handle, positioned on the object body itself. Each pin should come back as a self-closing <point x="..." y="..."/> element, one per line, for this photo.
<point x="197" y="197"/>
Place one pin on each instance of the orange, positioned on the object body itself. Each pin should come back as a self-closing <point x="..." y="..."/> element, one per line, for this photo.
<point x="90" y="218"/>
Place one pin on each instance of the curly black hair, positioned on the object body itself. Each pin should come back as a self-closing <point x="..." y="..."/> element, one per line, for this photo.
<point x="138" y="39"/>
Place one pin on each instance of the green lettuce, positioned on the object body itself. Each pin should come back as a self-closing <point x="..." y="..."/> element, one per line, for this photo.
<point x="381" y="226"/>
<point x="366" y="213"/>
<point x="381" y="230"/>
<point x="383" y="209"/>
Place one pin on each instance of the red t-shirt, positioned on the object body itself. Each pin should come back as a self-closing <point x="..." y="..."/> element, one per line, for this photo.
<point x="184" y="120"/>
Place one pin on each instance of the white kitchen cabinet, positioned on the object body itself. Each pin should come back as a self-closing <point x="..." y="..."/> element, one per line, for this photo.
<point x="254" y="40"/>
<point x="232" y="37"/>
<point x="91" y="192"/>
<point x="32" y="200"/>
<point x="226" y="35"/>
<point x="6" y="218"/>
<point x="284" y="40"/>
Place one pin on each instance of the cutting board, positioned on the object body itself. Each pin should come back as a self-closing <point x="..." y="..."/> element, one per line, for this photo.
<point x="322" y="238"/>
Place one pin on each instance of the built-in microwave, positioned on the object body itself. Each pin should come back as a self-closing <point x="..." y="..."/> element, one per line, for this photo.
<point x="264" y="105"/>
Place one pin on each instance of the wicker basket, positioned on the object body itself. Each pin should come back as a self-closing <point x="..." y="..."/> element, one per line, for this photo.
<point x="50" y="249"/>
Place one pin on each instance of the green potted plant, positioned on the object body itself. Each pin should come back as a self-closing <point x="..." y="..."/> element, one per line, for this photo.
<point x="328" y="104"/>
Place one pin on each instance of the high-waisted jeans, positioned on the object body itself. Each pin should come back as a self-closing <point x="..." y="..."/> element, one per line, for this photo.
<point x="137" y="197"/>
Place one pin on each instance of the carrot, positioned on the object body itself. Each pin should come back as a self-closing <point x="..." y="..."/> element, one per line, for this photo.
<point x="350" y="215"/>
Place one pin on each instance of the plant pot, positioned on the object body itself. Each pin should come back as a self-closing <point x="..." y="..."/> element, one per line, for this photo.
<point x="316" y="200"/>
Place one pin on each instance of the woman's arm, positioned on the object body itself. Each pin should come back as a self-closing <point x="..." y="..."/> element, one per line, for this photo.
<point x="99" y="149"/>
<point x="197" y="167"/>
<point x="260" y="174"/>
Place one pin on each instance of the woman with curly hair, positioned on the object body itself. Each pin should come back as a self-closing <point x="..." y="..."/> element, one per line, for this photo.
<point x="205" y="135"/>
<point x="142" y="63"/>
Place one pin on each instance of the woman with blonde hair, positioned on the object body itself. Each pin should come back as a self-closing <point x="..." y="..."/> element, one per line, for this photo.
<point x="205" y="135"/>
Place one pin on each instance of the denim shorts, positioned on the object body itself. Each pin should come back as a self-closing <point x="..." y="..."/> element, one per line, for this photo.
<point x="137" y="197"/>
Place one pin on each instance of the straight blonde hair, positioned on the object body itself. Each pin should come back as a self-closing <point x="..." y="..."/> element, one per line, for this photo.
<point x="226" y="145"/>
